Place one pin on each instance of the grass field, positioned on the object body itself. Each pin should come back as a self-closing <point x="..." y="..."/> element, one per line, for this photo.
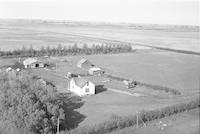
<point x="183" y="123"/>
<point x="155" y="67"/>
<point x="162" y="68"/>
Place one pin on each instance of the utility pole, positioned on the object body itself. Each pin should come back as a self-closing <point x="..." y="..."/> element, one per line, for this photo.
<point x="137" y="122"/>
<point x="137" y="119"/>
<point x="199" y="82"/>
<point x="142" y="121"/>
<point x="56" y="67"/>
<point x="58" y="126"/>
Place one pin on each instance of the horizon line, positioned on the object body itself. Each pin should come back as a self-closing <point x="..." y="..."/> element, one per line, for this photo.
<point x="100" y="22"/>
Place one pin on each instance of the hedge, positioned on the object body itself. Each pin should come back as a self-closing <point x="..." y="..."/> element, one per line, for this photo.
<point x="162" y="88"/>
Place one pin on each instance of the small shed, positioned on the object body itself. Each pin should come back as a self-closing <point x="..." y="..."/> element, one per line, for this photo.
<point x="84" y="63"/>
<point x="8" y="69"/>
<point x="130" y="83"/>
<point x="81" y="86"/>
<point x="70" y="75"/>
<point x="96" y="71"/>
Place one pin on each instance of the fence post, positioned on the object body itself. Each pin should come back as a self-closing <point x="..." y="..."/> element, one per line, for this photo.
<point x="58" y="126"/>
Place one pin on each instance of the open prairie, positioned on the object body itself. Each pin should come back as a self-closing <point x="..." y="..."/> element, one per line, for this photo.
<point x="158" y="67"/>
<point x="16" y="33"/>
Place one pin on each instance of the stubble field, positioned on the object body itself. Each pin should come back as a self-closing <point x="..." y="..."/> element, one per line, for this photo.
<point x="15" y="33"/>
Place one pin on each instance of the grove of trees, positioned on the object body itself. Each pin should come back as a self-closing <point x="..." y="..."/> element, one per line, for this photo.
<point x="74" y="49"/>
<point x="28" y="106"/>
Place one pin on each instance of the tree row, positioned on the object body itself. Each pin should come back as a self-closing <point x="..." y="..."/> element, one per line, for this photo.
<point x="62" y="50"/>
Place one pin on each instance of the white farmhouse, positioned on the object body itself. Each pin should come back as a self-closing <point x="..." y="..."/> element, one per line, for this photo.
<point x="81" y="86"/>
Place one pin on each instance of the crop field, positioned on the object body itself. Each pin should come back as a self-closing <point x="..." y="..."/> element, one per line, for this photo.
<point x="37" y="33"/>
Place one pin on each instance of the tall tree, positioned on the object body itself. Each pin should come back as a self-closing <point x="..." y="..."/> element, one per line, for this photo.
<point x="31" y="51"/>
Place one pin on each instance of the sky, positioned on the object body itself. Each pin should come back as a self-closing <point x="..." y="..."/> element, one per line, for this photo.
<point x="180" y="12"/>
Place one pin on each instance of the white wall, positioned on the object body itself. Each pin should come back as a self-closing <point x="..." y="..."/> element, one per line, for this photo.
<point x="82" y="91"/>
<point x="91" y="87"/>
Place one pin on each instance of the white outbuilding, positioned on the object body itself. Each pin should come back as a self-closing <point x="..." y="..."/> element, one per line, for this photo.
<point x="96" y="71"/>
<point x="85" y="64"/>
<point x="32" y="63"/>
<point x="81" y="86"/>
<point x="8" y="69"/>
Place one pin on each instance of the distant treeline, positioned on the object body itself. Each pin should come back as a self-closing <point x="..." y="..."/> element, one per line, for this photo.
<point x="61" y="50"/>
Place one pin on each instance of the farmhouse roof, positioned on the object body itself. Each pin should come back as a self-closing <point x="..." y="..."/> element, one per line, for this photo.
<point x="29" y="61"/>
<point x="95" y="69"/>
<point x="82" y="61"/>
<point x="80" y="81"/>
<point x="17" y="65"/>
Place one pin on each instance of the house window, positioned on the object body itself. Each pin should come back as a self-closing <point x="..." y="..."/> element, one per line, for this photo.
<point x="87" y="83"/>
<point x="87" y="90"/>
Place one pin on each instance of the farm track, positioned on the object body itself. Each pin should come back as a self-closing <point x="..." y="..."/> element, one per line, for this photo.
<point x="124" y="92"/>
<point x="54" y="73"/>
